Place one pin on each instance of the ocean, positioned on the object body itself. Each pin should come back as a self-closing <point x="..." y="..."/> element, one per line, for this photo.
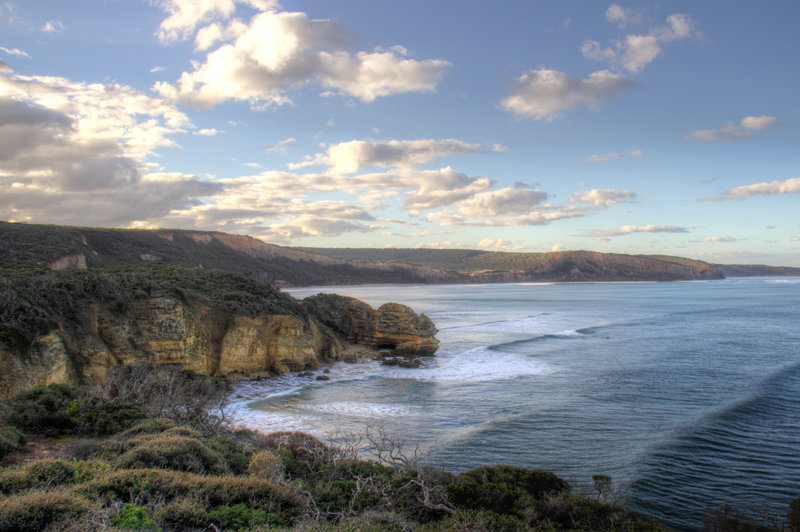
<point x="687" y="394"/>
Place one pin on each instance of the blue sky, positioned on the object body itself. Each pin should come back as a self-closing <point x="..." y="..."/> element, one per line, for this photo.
<point x="638" y="127"/>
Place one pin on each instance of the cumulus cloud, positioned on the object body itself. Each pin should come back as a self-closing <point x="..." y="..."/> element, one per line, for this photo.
<point x="731" y="131"/>
<point x="207" y="132"/>
<point x="633" y="52"/>
<point x="349" y="157"/>
<point x="787" y="186"/>
<point x="602" y="157"/>
<point x="543" y="94"/>
<point x="53" y="26"/>
<point x="497" y="244"/>
<point x="261" y="61"/>
<point x="602" y="198"/>
<point x="75" y="153"/>
<point x="186" y="15"/>
<point x="630" y="229"/>
<point x="623" y="17"/>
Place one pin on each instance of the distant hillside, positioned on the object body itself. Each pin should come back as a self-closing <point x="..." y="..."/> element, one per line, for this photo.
<point x="757" y="270"/>
<point x="552" y="266"/>
<point x="55" y="247"/>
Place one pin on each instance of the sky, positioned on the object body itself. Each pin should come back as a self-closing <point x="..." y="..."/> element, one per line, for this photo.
<point x="666" y="127"/>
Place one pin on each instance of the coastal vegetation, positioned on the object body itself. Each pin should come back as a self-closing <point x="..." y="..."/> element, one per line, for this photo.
<point x="109" y="458"/>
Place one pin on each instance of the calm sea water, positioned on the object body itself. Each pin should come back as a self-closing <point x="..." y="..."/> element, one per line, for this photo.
<point x="686" y="394"/>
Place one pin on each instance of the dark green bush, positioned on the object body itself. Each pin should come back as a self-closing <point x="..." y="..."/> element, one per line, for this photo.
<point x="503" y="489"/>
<point x="11" y="439"/>
<point x="794" y="515"/>
<point x="242" y="517"/>
<point x="36" y="510"/>
<point x="235" y="454"/>
<point x="475" y="520"/>
<point x="99" y="418"/>
<point x="42" y="410"/>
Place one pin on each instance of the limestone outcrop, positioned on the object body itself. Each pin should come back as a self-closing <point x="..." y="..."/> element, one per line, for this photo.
<point x="202" y="338"/>
<point x="393" y="327"/>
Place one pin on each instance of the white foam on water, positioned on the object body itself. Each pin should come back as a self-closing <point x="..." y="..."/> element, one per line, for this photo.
<point x="368" y="410"/>
<point x="269" y="421"/>
<point x="477" y="365"/>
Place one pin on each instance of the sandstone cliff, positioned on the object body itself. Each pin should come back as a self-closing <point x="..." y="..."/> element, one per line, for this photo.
<point x="204" y="336"/>
<point x="392" y="327"/>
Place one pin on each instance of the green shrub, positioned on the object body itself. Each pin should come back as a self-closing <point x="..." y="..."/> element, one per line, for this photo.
<point x="103" y="418"/>
<point x="475" y="520"/>
<point x="177" y="453"/>
<point x="134" y="517"/>
<point x="209" y="490"/>
<point x="240" y="516"/>
<point x="11" y="439"/>
<point x="42" y="410"/>
<point x="36" y="510"/>
<point x="236" y="455"/>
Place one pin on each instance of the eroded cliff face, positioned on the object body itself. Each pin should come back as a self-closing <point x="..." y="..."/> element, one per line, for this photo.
<point x="199" y="337"/>
<point x="393" y="326"/>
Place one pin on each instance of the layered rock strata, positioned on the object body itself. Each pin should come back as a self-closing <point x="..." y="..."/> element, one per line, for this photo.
<point x="199" y="337"/>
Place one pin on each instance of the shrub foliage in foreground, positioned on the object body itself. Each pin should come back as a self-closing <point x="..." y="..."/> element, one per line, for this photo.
<point x="161" y="474"/>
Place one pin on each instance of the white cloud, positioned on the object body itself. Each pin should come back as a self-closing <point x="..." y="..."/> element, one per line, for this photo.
<point x="282" y="145"/>
<point x="715" y="239"/>
<point x="636" y="153"/>
<point x="543" y="94"/>
<point x="15" y="52"/>
<point x="795" y="239"/>
<point x="629" y="229"/>
<point x="276" y="52"/>
<point x="622" y="17"/>
<point x="157" y="69"/>
<point x="349" y="157"/>
<point x="207" y="132"/>
<point x="53" y="26"/>
<point x="556" y="247"/>
<point x="446" y="244"/>
<point x="602" y="157"/>
<point x="787" y="186"/>
<point x="634" y="52"/>
<point x="730" y="131"/>
<point x="186" y="15"/>
<point x="602" y="198"/>
<point x="497" y="244"/>
<point x="75" y="153"/>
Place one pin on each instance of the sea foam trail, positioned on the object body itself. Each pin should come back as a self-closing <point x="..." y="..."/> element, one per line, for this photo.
<point x="476" y="365"/>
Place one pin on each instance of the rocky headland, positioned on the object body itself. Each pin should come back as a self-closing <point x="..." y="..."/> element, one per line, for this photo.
<point x="70" y="327"/>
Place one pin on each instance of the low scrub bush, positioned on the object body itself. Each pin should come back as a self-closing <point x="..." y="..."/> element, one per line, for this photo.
<point x="37" y="510"/>
<point x="211" y="491"/>
<point x="11" y="439"/>
<point x="177" y="453"/>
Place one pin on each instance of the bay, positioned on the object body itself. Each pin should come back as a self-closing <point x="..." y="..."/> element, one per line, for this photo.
<point x="687" y="394"/>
